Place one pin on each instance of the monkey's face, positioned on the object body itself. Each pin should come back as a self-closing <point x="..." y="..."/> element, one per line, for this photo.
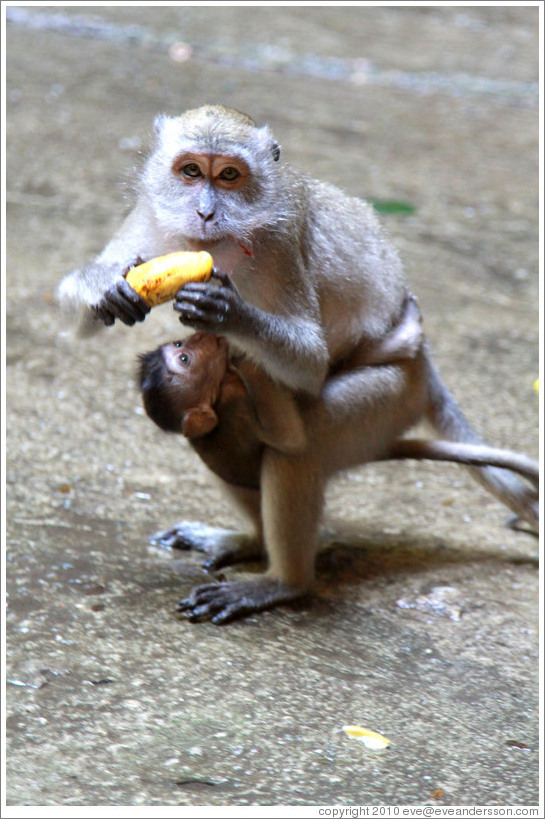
<point x="212" y="175"/>
<point x="212" y="188"/>
<point x="180" y="376"/>
<point x="194" y="368"/>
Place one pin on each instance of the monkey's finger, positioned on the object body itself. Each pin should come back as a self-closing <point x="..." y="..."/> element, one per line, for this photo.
<point x="189" y="310"/>
<point x="215" y="603"/>
<point x="168" y="540"/>
<point x="201" y="603"/>
<point x="212" y="291"/>
<point x="230" y="613"/>
<point x="200" y="594"/>
<point x="118" y="310"/>
<point x="201" y="317"/>
<point x="215" y="309"/>
<point x="203" y="294"/>
<point x="128" y="296"/>
<point x="195" y="324"/>
<point x="125" y="304"/>
<point x="104" y="315"/>
<point x="204" y="287"/>
<point x="224" y="278"/>
<point x="194" y="295"/>
<point x="138" y="261"/>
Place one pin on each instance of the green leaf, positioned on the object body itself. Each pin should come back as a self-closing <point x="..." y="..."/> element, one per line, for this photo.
<point x="392" y="206"/>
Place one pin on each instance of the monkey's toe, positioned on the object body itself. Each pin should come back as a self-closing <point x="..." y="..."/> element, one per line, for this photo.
<point x="224" y="547"/>
<point x="223" y="602"/>
<point x="191" y="535"/>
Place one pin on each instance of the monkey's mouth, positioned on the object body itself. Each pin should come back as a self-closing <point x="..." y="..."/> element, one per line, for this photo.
<point x="203" y="239"/>
<point x="211" y="231"/>
<point x="211" y="234"/>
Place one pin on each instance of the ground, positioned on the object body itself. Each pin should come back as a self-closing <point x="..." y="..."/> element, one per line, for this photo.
<point x="424" y="625"/>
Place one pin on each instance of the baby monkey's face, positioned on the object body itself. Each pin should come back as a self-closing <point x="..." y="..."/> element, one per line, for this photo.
<point x="179" y="376"/>
<point x="194" y="368"/>
<point x="192" y="353"/>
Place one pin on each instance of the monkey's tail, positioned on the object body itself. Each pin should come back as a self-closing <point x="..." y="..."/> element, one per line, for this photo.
<point x="447" y="418"/>
<point x="423" y="449"/>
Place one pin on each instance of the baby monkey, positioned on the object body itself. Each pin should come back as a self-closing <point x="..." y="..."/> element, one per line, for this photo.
<point x="230" y="409"/>
<point x="227" y="410"/>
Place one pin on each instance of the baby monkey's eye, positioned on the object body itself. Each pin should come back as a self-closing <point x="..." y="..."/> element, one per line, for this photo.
<point x="229" y="174"/>
<point x="178" y="343"/>
<point x="184" y="358"/>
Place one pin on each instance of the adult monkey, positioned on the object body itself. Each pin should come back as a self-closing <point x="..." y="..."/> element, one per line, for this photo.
<point x="229" y="413"/>
<point x="308" y="281"/>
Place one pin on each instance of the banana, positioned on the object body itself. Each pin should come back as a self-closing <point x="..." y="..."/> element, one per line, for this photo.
<point x="160" y="279"/>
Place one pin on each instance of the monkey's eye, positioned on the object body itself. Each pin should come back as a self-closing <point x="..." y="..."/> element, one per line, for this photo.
<point x="229" y="174"/>
<point x="178" y="344"/>
<point x="191" y="170"/>
<point x="184" y="358"/>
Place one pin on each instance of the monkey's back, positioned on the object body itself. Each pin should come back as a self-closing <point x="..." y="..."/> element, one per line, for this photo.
<point x="354" y="263"/>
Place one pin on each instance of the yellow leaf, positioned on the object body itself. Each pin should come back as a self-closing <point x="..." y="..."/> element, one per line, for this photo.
<point x="372" y="740"/>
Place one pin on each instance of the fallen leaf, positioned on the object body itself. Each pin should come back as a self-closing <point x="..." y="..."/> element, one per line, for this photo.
<point x="372" y="740"/>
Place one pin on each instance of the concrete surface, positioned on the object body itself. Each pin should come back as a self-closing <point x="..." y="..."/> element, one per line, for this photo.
<point x="425" y="624"/>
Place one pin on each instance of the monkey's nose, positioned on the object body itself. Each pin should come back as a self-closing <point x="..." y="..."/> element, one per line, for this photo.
<point x="206" y="215"/>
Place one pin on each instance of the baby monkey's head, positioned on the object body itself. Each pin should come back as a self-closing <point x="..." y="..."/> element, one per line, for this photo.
<point x="180" y="383"/>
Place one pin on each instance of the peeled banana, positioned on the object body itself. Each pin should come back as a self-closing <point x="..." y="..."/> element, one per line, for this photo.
<point x="160" y="279"/>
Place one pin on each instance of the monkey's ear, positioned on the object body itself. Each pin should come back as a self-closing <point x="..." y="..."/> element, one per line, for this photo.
<point x="198" y="421"/>
<point x="158" y="122"/>
<point x="275" y="149"/>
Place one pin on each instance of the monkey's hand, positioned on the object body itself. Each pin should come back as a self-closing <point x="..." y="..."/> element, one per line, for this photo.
<point x="121" y="302"/>
<point x="222" y="602"/>
<point x="212" y="309"/>
<point x="291" y="349"/>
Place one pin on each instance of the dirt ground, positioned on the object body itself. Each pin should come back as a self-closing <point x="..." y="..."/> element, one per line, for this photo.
<point x="425" y="622"/>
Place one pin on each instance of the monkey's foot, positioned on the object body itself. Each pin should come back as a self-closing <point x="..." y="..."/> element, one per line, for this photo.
<point x="224" y="547"/>
<point x="223" y="602"/>
<point x="517" y="524"/>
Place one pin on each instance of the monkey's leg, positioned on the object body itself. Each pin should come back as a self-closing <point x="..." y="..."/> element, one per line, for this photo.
<point x="403" y="341"/>
<point x="362" y="412"/>
<point x="292" y="499"/>
<point x="224" y="547"/>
